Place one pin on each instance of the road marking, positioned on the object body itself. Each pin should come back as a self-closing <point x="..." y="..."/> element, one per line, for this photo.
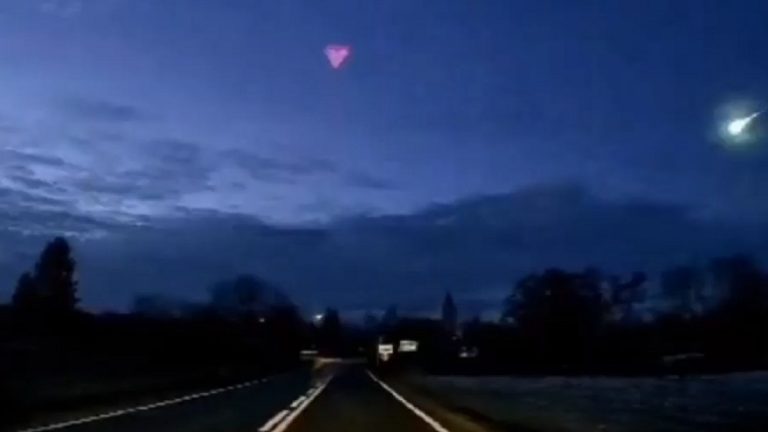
<point x="430" y="421"/>
<point x="124" y="411"/>
<point x="298" y="401"/>
<point x="295" y="413"/>
<point x="273" y="421"/>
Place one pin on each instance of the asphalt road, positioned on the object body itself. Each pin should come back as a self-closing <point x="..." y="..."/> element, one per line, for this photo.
<point x="344" y="398"/>
<point x="238" y="410"/>
<point x="354" y="402"/>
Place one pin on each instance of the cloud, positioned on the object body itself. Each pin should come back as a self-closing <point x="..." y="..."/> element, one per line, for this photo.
<point x="14" y="200"/>
<point x="26" y="157"/>
<point x="98" y="110"/>
<point x="150" y="182"/>
<point x="176" y="151"/>
<point x="34" y="214"/>
<point x="119" y="183"/>
<point x="475" y="248"/>
<point x="21" y="189"/>
<point x="362" y="180"/>
<point x="124" y="184"/>
<point x="173" y="165"/>
<point x="8" y="127"/>
<point x="111" y="173"/>
<point x="29" y="182"/>
<point x="270" y="169"/>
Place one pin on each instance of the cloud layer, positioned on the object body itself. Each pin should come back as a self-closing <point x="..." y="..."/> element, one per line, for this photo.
<point x="96" y="110"/>
<point x="475" y="248"/>
<point x="170" y="214"/>
<point x="111" y="162"/>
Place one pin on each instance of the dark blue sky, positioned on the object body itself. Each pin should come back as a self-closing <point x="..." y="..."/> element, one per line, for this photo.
<point x="116" y="112"/>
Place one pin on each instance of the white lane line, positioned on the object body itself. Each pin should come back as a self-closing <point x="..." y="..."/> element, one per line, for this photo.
<point x="295" y="413"/>
<point x="116" y="413"/>
<point x="273" y="421"/>
<point x="429" y="420"/>
<point x="298" y="401"/>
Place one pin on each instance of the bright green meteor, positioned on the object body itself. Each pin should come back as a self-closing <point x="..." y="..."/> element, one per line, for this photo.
<point x="736" y="127"/>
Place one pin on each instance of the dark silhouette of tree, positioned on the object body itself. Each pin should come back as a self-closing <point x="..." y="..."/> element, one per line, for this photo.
<point x="156" y="306"/>
<point x="54" y="274"/>
<point x="742" y="282"/>
<point x="390" y="317"/>
<point x="512" y="303"/>
<point x="285" y="317"/>
<point x="436" y="347"/>
<point x="558" y="313"/>
<point x="26" y="295"/>
<point x="624" y="295"/>
<point x="450" y="314"/>
<point x="53" y="288"/>
<point x="287" y="332"/>
<point x="331" y="332"/>
<point x="370" y="322"/>
<point x="241" y="295"/>
<point x="682" y="286"/>
<point x="331" y="321"/>
<point x="245" y="295"/>
<point x="737" y="325"/>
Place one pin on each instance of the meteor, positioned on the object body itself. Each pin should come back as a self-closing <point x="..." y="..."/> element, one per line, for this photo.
<point x="737" y="126"/>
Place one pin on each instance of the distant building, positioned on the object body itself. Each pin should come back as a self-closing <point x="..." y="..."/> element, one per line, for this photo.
<point x="450" y="316"/>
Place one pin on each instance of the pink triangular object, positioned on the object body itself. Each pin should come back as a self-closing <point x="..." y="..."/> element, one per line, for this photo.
<point x="337" y="54"/>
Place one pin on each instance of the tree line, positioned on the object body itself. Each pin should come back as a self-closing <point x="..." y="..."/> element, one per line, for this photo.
<point x="689" y="319"/>
<point x="706" y="318"/>
<point x="695" y="319"/>
<point x="247" y="327"/>
<point x="50" y="289"/>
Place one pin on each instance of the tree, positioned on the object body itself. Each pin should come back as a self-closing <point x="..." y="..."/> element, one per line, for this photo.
<point x="26" y="295"/>
<point x="558" y="313"/>
<point x="736" y="327"/>
<point x="331" y="332"/>
<point x="286" y="330"/>
<point x="625" y="294"/>
<point x="450" y="314"/>
<point x="742" y="283"/>
<point x="682" y="286"/>
<point x="390" y="317"/>
<point x="245" y="295"/>
<point x="54" y="278"/>
<point x="156" y="306"/>
<point x="331" y="321"/>
<point x="370" y="322"/>
<point x="513" y="301"/>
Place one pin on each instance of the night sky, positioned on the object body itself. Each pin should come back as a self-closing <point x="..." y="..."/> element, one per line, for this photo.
<point x="549" y="131"/>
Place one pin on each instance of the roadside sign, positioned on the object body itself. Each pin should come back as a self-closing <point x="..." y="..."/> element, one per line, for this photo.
<point x="408" y="346"/>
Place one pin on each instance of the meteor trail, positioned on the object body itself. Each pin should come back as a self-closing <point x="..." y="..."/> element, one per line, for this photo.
<point x="737" y="126"/>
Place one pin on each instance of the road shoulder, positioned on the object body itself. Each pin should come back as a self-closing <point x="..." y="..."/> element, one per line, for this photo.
<point x="455" y="418"/>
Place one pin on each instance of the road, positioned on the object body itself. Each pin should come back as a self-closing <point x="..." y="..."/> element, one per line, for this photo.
<point x="346" y="398"/>
<point x="354" y="402"/>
